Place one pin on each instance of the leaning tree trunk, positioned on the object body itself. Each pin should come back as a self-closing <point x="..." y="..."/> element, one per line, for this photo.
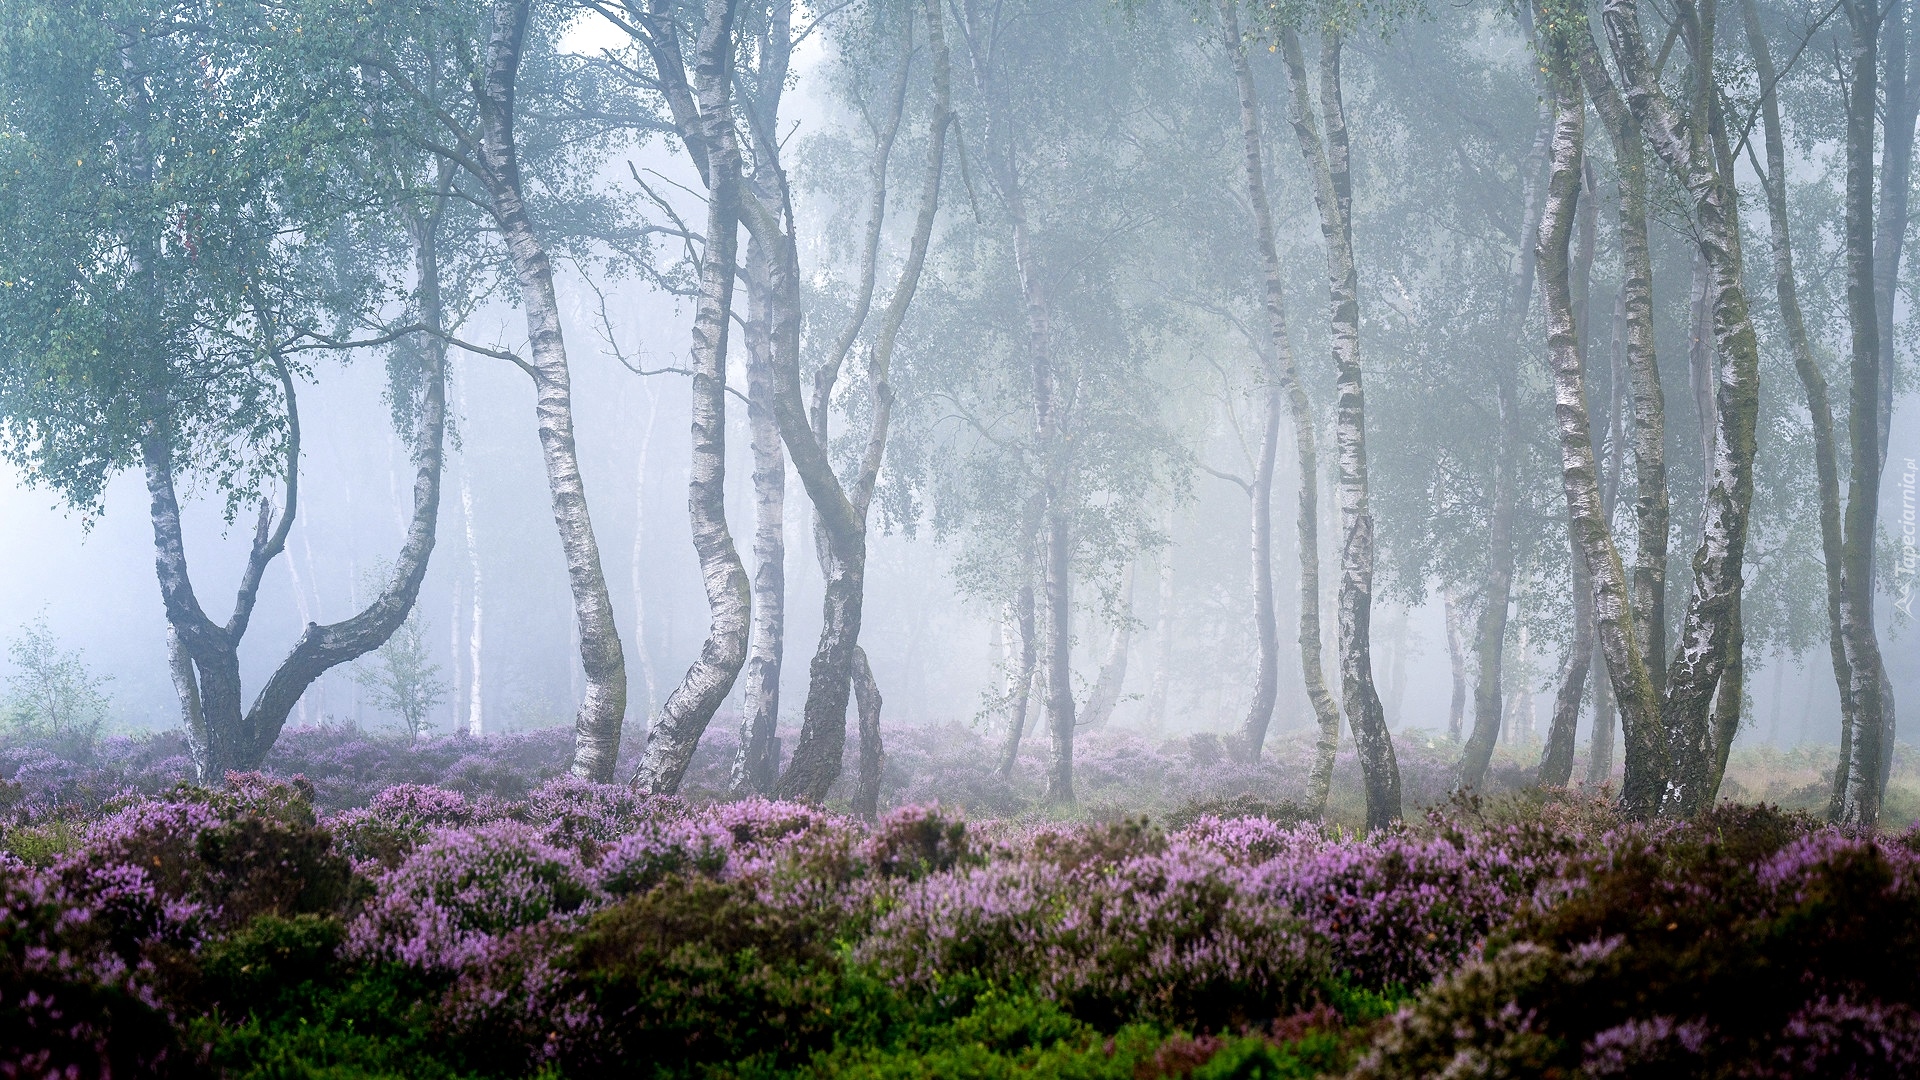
<point x="1333" y="195"/>
<point x="756" y="763"/>
<point x="1607" y="580"/>
<point x="1694" y="144"/>
<point x="690" y="707"/>
<point x="597" y="725"/>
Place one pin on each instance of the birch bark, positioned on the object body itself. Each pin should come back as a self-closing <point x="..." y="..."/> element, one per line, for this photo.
<point x="603" y="706"/>
<point x="1328" y="159"/>
<point x="691" y="705"/>
<point x="1282" y="377"/>
<point x="1694" y="144"/>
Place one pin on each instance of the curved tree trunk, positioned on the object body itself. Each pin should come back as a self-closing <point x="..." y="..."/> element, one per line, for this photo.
<point x="1280" y="375"/>
<point x="1645" y="744"/>
<point x="597" y="725"/>
<point x="1606" y="577"/>
<point x="690" y="708"/>
<point x="203" y="657"/>
<point x="1328" y="160"/>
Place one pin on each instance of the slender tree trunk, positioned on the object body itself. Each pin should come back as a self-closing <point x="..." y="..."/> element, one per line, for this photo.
<point x="1607" y="581"/>
<point x="1113" y="667"/>
<point x="873" y="757"/>
<point x="637" y="562"/>
<point x="1496" y="596"/>
<point x="1727" y="705"/>
<point x="1860" y="805"/>
<point x="690" y="707"/>
<point x="476" y="620"/>
<point x="1162" y="637"/>
<point x="1556" y="763"/>
<point x="1333" y="194"/>
<point x="756" y="764"/>
<point x="1282" y="376"/>
<point x="1813" y="382"/>
<point x="1059" y="615"/>
<point x="1901" y="56"/>
<point x="603" y="707"/>
<point x="1456" y="662"/>
<point x="1022" y="678"/>
<point x="1652" y="505"/>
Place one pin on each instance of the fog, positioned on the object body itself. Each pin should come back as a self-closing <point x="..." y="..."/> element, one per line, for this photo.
<point x="1127" y="134"/>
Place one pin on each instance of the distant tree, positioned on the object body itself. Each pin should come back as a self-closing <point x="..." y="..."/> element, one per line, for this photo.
<point x="403" y="679"/>
<point x="53" y="699"/>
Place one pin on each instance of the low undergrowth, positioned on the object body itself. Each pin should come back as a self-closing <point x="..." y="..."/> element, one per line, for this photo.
<point x="582" y="931"/>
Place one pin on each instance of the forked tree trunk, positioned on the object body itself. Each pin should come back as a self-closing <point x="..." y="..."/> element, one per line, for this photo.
<point x="203" y="657"/>
<point x="1606" y="576"/>
<point x="1646" y="750"/>
<point x="603" y="706"/>
<point x="1328" y="159"/>
<point x="1694" y="144"/>
<point x="841" y="509"/>
<point x="690" y="707"/>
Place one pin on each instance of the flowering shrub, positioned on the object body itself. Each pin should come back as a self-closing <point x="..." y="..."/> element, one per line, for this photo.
<point x="83" y="979"/>
<point x="1746" y="944"/>
<point x="550" y="923"/>
<point x="449" y="902"/>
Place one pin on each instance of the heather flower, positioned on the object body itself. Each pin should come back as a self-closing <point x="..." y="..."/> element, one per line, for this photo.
<point x="577" y="812"/>
<point x="640" y="860"/>
<point x="447" y="904"/>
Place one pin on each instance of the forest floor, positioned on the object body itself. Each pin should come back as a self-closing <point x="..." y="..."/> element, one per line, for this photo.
<point x="457" y="908"/>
